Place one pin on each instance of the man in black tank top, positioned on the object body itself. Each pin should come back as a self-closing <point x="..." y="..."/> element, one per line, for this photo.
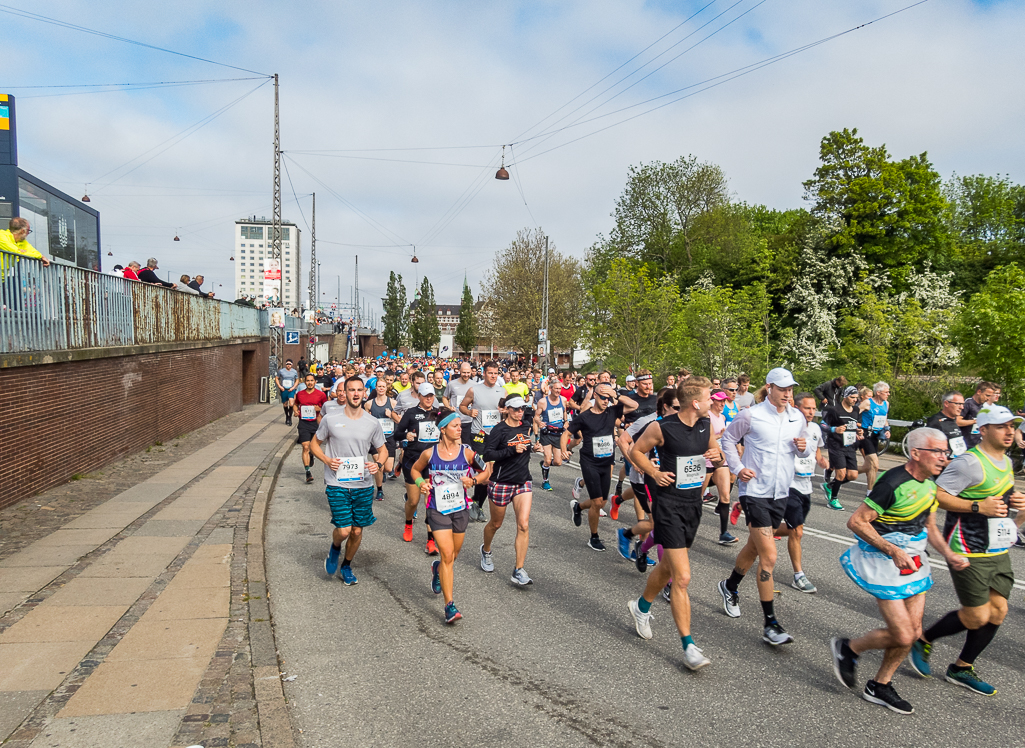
<point x="633" y="405"/>
<point x="684" y="441"/>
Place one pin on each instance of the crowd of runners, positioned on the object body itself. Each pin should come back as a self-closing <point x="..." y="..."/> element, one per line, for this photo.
<point x="462" y="435"/>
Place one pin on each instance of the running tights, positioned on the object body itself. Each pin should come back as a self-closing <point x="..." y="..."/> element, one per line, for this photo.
<point x="597" y="478"/>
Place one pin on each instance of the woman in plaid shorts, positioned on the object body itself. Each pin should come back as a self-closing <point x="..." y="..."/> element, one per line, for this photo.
<point x="508" y="446"/>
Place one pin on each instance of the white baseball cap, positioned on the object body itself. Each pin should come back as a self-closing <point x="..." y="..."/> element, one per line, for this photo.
<point x="780" y="377"/>
<point x="426" y="389"/>
<point x="631" y="378"/>
<point x="995" y="414"/>
<point x="516" y="402"/>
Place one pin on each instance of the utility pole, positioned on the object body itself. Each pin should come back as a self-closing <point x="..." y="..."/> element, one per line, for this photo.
<point x="314" y="291"/>
<point x="544" y="313"/>
<point x="277" y="335"/>
<point x="355" y="294"/>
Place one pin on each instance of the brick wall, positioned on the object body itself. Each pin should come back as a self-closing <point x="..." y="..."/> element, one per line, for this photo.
<point x="60" y="419"/>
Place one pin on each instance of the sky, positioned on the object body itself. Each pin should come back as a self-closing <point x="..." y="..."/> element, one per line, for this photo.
<point x="395" y="114"/>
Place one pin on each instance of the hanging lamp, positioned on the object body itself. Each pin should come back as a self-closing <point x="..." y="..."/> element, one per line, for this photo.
<point x="502" y="173"/>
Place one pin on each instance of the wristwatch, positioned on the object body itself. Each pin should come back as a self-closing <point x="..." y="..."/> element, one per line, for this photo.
<point x="975" y="507"/>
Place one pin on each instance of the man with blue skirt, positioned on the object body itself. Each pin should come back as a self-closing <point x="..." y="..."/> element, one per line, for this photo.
<point x="889" y="561"/>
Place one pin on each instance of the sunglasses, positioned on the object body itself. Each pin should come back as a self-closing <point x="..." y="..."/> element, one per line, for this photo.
<point x="732" y="389"/>
<point x="602" y="398"/>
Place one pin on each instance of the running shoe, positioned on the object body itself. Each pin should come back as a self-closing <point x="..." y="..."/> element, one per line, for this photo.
<point x="804" y="584"/>
<point x="919" y="658"/>
<point x="708" y="497"/>
<point x="735" y="513"/>
<point x="407" y="533"/>
<point x="835" y="504"/>
<point x="577" y="513"/>
<point x="431" y="549"/>
<point x="309" y="478"/>
<point x="667" y="592"/>
<point x="578" y="485"/>
<point x="348" y="577"/>
<point x="435" y="579"/>
<point x="730" y="600"/>
<point x="595" y="544"/>
<point x="288" y="421"/>
<point x="694" y="658"/>
<point x="884" y="695"/>
<point x="642" y="621"/>
<point x="826" y="490"/>
<point x="845" y="662"/>
<point x="642" y="562"/>
<point x="451" y="614"/>
<point x="519" y="576"/>
<point x="485" y="560"/>
<point x="331" y="562"/>
<point x="968" y="678"/>
<point x="728" y="538"/>
<point x="614" y="506"/>
<point x="623" y="543"/>
<point x="602" y="513"/>
<point x="482" y="516"/>
<point x="651" y="561"/>
<point x="546" y="486"/>
<point x="380" y="494"/>
<point x="775" y="635"/>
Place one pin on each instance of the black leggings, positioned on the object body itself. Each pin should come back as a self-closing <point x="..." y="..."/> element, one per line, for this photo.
<point x="597" y="478"/>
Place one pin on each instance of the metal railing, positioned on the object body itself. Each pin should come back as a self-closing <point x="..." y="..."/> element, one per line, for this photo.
<point x="62" y="307"/>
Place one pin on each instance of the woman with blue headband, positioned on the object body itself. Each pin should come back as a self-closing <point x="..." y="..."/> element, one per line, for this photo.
<point x="443" y="474"/>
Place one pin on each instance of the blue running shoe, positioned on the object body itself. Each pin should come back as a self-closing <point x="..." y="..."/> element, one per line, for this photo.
<point x="331" y="562"/>
<point x="967" y="678"/>
<point x="348" y="577"/>
<point x="435" y="579"/>
<point x="546" y="486"/>
<point x="451" y="613"/>
<point x="624" y="544"/>
<point x="651" y="561"/>
<point x="920" y="652"/>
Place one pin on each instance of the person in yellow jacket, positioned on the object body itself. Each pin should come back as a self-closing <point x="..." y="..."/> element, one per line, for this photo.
<point x="14" y="239"/>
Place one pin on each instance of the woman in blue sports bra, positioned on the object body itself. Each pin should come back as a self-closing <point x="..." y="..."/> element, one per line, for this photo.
<point x="443" y="475"/>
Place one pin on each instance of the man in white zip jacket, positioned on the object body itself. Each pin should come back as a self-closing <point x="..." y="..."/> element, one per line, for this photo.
<point x="772" y="431"/>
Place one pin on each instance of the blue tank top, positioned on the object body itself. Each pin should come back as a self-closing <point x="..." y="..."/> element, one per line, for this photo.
<point x="448" y="468"/>
<point x="874" y="409"/>
<point x="553" y="415"/>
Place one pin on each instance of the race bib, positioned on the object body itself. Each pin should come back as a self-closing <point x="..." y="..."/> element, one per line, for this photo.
<point x="690" y="472"/>
<point x="1002" y="534"/>
<point x="555" y="415"/>
<point x="957" y="446"/>
<point x="849" y="436"/>
<point x="449" y="494"/>
<point x="878" y="422"/>
<point x="308" y="412"/>
<point x="602" y="446"/>
<point x="387" y="426"/>
<point x="429" y="433"/>
<point x="489" y="418"/>
<point x="350" y="470"/>
<point x="804" y="467"/>
<point x="288" y="384"/>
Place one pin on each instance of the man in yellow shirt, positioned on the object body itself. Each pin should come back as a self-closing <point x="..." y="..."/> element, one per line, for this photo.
<point x="14" y="239"/>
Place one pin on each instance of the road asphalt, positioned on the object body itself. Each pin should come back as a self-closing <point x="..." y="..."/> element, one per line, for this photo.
<point x="559" y="663"/>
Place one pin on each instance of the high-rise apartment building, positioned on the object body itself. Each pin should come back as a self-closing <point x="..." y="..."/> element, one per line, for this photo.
<point x="259" y="277"/>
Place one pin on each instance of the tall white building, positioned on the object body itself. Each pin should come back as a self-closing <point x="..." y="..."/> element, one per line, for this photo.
<point x="254" y="270"/>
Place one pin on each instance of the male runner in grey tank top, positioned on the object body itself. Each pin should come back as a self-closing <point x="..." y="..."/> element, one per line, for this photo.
<point x="454" y="394"/>
<point x="481" y="404"/>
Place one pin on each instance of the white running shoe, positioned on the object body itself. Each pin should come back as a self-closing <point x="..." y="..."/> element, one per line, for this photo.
<point x="485" y="560"/>
<point x="601" y="513"/>
<point x="642" y="621"/>
<point x="694" y="658"/>
<point x="578" y="486"/>
<point x="520" y="577"/>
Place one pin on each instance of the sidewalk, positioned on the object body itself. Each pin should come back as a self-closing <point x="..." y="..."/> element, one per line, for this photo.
<point x="144" y="620"/>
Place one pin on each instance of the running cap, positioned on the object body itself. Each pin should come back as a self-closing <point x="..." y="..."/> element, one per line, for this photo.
<point x="516" y="402"/>
<point x="631" y="378"/>
<point x="288" y="360"/>
<point x="379" y="368"/>
<point x="718" y="395"/>
<point x="780" y="377"/>
<point x="995" y="414"/>
<point x="551" y="371"/>
<point x="425" y="389"/>
<point x="850" y="390"/>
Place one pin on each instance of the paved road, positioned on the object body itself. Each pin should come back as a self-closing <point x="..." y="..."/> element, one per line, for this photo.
<point x="559" y="663"/>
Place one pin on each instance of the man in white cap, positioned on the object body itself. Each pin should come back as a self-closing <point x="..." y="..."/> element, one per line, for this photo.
<point x="772" y="431"/>
<point x="977" y="490"/>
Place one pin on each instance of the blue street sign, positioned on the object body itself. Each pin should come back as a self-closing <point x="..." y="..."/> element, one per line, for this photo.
<point x="291" y="337"/>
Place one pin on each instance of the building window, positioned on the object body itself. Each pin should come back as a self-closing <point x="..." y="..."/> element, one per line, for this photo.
<point x="284" y="233"/>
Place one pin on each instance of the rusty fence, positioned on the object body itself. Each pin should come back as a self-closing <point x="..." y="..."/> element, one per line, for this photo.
<point x="62" y="307"/>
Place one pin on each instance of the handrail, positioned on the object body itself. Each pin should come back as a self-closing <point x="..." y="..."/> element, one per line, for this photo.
<point x="62" y="307"/>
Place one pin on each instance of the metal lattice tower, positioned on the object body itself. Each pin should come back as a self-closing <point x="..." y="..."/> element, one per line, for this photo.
<point x="544" y="312"/>
<point x="314" y="291"/>
<point x="277" y="342"/>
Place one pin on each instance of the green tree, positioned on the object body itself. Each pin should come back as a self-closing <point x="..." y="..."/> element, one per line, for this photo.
<point x="866" y="330"/>
<point x="990" y="330"/>
<point x="513" y="293"/>
<point x="986" y="218"/>
<point x="424" y="332"/>
<point x="466" y="330"/>
<point x="630" y="317"/>
<point x="394" y="320"/>
<point x="890" y="212"/>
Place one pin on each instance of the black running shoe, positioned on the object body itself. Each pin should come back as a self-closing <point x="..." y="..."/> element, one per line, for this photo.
<point x="884" y="695"/>
<point x="595" y="544"/>
<point x="845" y="662"/>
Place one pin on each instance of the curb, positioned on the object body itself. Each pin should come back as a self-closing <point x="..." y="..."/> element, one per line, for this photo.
<point x="275" y="724"/>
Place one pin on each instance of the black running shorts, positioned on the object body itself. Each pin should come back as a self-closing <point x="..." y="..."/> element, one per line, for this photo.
<point x="676" y="522"/>
<point x="798" y="505"/>
<point x="762" y="512"/>
<point x="843" y="458"/>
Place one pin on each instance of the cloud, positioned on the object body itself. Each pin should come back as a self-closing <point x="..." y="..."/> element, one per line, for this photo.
<point x="941" y="78"/>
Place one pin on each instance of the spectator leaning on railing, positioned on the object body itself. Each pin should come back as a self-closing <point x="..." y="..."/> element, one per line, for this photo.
<point x="197" y="286"/>
<point x="149" y="276"/>
<point x="132" y="271"/>
<point x="14" y="239"/>
<point x="185" y="287"/>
